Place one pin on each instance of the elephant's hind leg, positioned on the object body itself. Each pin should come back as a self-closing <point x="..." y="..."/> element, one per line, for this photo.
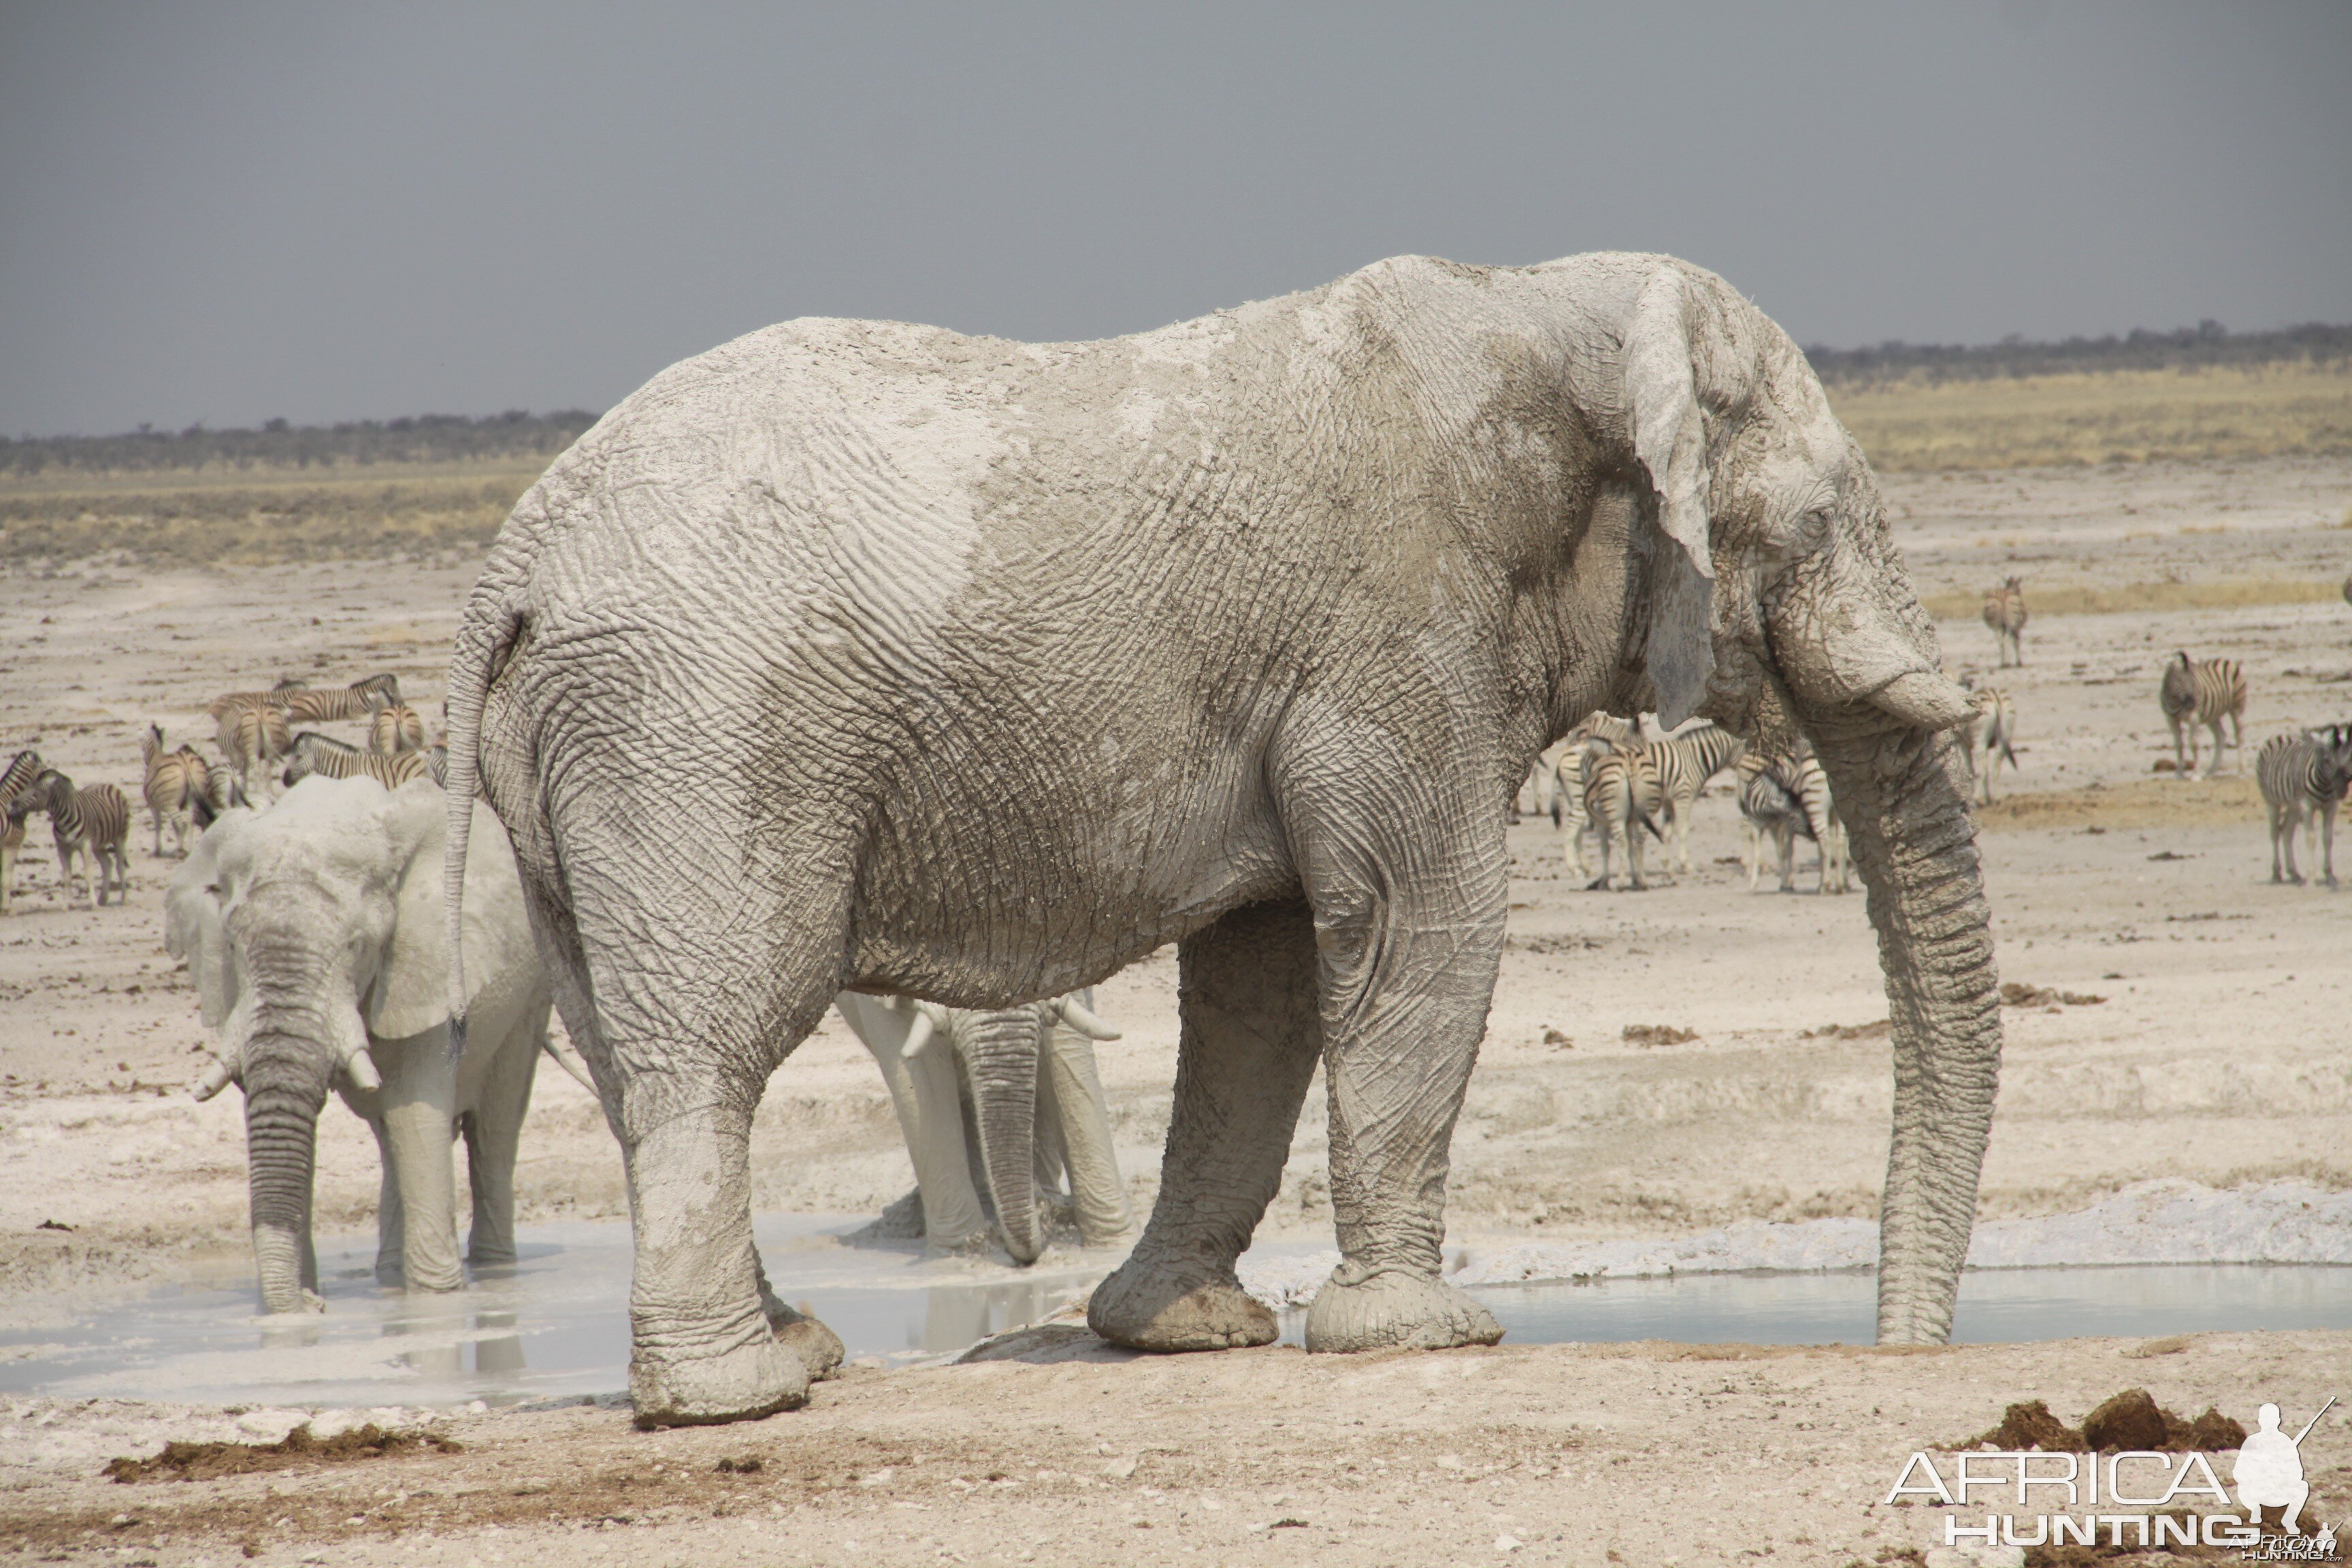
<point x="1250" y="1036"/>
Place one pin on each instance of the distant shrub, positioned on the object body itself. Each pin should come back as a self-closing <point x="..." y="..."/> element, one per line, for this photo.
<point x="423" y="438"/>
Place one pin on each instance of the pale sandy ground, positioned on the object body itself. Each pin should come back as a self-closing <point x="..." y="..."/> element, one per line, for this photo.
<point x="2218" y="1056"/>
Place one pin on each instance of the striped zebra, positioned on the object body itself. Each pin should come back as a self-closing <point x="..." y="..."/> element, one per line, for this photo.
<point x="170" y="787"/>
<point x="219" y="791"/>
<point x="13" y="814"/>
<point x="1987" y="738"/>
<point x="277" y="696"/>
<point x="2202" y="692"/>
<point x="2303" y="779"/>
<point x="359" y="699"/>
<point x="90" y="824"/>
<point x="317" y="753"/>
<point x="1684" y="762"/>
<point x="2004" y="612"/>
<point x="18" y="776"/>
<point x="1622" y="797"/>
<point x="1783" y="799"/>
<point x="393" y="728"/>
<point x="437" y="762"/>
<point x="252" y="735"/>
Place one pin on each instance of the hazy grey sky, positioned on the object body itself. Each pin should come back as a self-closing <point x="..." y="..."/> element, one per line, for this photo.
<point x="228" y="212"/>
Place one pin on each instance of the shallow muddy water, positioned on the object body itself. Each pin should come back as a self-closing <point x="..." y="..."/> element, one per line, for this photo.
<point x="555" y="1325"/>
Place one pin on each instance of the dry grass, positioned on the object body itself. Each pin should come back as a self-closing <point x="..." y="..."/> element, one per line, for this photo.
<point x="2226" y="592"/>
<point x="2161" y="801"/>
<point x="260" y="516"/>
<point x="2121" y="417"/>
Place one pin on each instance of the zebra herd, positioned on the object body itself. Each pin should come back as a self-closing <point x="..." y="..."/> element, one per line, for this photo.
<point x="1606" y="780"/>
<point x="182" y="790"/>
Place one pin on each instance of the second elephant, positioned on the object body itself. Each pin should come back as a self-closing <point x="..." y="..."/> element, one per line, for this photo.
<point x="1037" y="1110"/>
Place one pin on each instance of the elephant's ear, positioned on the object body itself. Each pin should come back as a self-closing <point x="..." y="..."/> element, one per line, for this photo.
<point x="1670" y="440"/>
<point x="411" y="982"/>
<point x="193" y="931"/>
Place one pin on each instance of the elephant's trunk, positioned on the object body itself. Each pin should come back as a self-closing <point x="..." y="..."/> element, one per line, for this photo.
<point x="282" y="1128"/>
<point x="1000" y="1051"/>
<point x="1902" y="793"/>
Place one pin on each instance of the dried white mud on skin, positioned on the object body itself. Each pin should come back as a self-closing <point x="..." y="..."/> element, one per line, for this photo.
<point x="1654" y="1452"/>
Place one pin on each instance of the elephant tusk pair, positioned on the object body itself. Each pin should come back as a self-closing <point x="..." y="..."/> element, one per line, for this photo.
<point x="1074" y="1014"/>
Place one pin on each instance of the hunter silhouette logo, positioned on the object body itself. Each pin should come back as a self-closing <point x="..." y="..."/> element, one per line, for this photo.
<point x="2095" y="1490"/>
<point x="2269" y="1471"/>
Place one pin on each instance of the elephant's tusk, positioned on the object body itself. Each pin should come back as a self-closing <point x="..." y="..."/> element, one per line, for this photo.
<point x="930" y="1017"/>
<point x="569" y="1060"/>
<point x="361" y="1069"/>
<point x="1074" y="1014"/>
<point x="216" y="1078"/>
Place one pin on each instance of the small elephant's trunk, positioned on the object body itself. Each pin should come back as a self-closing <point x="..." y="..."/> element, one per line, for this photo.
<point x="281" y="1128"/>
<point x="1000" y="1051"/>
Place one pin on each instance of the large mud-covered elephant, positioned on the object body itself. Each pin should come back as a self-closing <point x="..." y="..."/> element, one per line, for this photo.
<point x="314" y="934"/>
<point x="1026" y="1076"/>
<point x="764" y="677"/>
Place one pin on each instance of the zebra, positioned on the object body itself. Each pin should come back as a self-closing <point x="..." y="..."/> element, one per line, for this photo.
<point x="359" y="699"/>
<point x="90" y="823"/>
<point x="437" y="762"/>
<point x="394" y="727"/>
<point x="16" y="803"/>
<point x="13" y="813"/>
<point x="219" y="791"/>
<point x="18" y="776"/>
<point x="277" y="696"/>
<point x="1567" y="805"/>
<point x="315" y="753"/>
<point x="1987" y="738"/>
<point x="1684" y="762"/>
<point x="253" y="735"/>
<point x="1783" y="798"/>
<point x="2004" y="612"/>
<point x="2303" y="779"/>
<point x="1621" y="796"/>
<point x="169" y="787"/>
<point x="2202" y="693"/>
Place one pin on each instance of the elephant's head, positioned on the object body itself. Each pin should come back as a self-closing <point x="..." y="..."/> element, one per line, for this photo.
<point x="1776" y="600"/>
<point x="308" y="930"/>
<point x="1002" y="1050"/>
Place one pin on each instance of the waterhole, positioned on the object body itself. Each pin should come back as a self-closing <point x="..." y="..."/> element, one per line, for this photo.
<point x="555" y="1325"/>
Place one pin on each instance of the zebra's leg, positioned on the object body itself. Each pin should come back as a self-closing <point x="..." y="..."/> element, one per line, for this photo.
<point x="2180" y="755"/>
<point x="2293" y="827"/>
<point x="2326" y="815"/>
<point x="155" y="825"/>
<point x="2275" y="826"/>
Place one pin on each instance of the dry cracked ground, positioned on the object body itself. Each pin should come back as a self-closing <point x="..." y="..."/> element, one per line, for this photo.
<point x="2217" y="1055"/>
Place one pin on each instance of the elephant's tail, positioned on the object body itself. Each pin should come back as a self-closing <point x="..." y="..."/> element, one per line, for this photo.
<point x="485" y="634"/>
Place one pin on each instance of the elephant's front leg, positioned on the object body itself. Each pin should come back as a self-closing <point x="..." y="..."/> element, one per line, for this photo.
<point x="702" y="1349"/>
<point x="389" y="1215"/>
<point x="418" y="1102"/>
<point x="494" y="1140"/>
<point x="1250" y="1038"/>
<point x="1408" y="975"/>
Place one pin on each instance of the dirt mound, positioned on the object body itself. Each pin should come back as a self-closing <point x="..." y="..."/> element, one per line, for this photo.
<point x="2129" y="1421"/>
<point x="2017" y="994"/>
<point x="1658" y="1035"/>
<point x="210" y="1461"/>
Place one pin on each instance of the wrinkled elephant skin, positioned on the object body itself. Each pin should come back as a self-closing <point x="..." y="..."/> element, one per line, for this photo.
<point x="1315" y="580"/>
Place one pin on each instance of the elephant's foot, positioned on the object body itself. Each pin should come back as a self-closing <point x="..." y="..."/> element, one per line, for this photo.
<point x="1364" y="1310"/>
<point x="819" y="1348"/>
<point x="738" y="1384"/>
<point x="1148" y="1305"/>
